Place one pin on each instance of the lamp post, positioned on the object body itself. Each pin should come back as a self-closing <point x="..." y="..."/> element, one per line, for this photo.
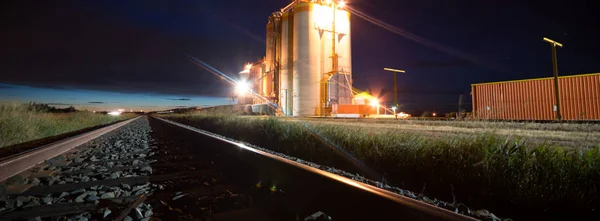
<point x="555" y="69"/>
<point x="395" y="84"/>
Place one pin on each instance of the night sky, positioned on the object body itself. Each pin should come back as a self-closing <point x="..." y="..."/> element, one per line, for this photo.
<point x="132" y="54"/>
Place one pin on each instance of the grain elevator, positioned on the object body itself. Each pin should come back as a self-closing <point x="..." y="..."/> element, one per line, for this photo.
<point x="307" y="68"/>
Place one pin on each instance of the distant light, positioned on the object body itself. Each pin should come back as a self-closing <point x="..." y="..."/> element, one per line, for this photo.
<point x="374" y="102"/>
<point x="434" y="114"/>
<point x="248" y="66"/>
<point x="141" y="110"/>
<point x="403" y="115"/>
<point x="114" y="113"/>
<point x="94" y="111"/>
<point x="394" y="108"/>
<point x="241" y="88"/>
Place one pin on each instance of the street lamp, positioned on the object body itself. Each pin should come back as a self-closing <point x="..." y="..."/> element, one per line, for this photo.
<point x="555" y="68"/>
<point x="395" y="84"/>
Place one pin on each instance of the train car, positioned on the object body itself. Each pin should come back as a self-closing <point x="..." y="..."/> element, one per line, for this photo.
<point x="535" y="99"/>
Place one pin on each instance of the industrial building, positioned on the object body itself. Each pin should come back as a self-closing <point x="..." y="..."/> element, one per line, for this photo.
<point x="307" y="68"/>
<point x="535" y="99"/>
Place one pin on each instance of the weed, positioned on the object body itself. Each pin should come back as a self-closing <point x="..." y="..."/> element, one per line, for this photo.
<point x="485" y="169"/>
<point x="20" y="123"/>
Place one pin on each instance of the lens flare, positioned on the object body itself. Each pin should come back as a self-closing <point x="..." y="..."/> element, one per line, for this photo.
<point x="375" y="102"/>
<point x="241" y="88"/>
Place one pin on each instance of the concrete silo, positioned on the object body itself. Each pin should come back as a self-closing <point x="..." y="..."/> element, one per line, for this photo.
<point x="308" y="61"/>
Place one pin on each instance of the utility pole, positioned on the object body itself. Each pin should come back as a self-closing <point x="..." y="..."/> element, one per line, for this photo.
<point x="555" y="68"/>
<point x="396" y="71"/>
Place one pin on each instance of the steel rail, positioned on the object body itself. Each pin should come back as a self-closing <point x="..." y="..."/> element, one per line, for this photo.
<point x="18" y="163"/>
<point x="400" y="199"/>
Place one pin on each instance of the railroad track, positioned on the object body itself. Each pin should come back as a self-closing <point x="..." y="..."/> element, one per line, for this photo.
<point x="153" y="169"/>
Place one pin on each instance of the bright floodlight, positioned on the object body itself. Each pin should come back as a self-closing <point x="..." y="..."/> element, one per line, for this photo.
<point x="342" y="4"/>
<point x="374" y="102"/>
<point x="394" y="108"/>
<point x="114" y="113"/>
<point x="248" y="66"/>
<point x="242" y="88"/>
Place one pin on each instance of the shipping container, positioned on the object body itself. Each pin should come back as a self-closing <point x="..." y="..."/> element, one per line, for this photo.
<point x="360" y="109"/>
<point x="534" y="99"/>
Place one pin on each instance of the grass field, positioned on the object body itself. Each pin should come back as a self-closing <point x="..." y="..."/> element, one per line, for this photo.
<point x="507" y="168"/>
<point x="565" y="126"/>
<point x="557" y="134"/>
<point x="20" y="123"/>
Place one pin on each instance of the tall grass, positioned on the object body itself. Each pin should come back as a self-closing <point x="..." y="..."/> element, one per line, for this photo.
<point x="564" y="126"/>
<point x="21" y="123"/>
<point x="505" y="175"/>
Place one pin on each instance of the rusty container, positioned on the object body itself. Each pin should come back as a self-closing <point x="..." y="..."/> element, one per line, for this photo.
<point x="363" y="110"/>
<point x="367" y="110"/>
<point x="348" y="109"/>
<point x="534" y="99"/>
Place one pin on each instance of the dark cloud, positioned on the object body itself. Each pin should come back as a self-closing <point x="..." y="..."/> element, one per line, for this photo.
<point x="96" y="102"/>
<point x="3" y="86"/>
<point x="59" y="104"/>
<point x="179" y="99"/>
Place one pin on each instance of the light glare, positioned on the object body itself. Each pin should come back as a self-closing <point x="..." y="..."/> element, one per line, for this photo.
<point x="114" y="113"/>
<point x="241" y="88"/>
<point x="374" y="102"/>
